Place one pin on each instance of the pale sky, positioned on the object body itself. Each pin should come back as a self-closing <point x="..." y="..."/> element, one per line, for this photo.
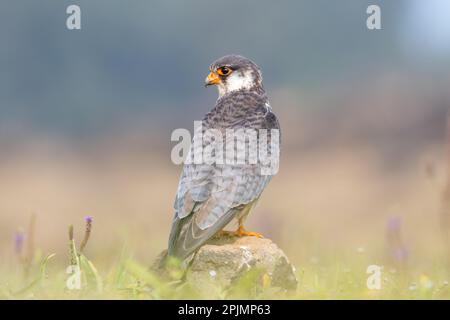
<point x="427" y="27"/>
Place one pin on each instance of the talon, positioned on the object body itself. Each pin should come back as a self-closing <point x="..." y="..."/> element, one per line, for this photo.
<point x="241" y="232"/>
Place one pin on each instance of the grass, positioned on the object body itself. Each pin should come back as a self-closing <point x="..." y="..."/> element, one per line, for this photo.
<point x="39" y="277"/>
<point x="129" y="279"/>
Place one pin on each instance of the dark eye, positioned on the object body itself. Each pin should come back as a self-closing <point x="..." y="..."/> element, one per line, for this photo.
<point x="224" y="71"/>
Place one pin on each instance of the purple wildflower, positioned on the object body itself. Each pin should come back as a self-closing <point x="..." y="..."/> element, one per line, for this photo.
<point x="400" y="254"/>
<point x="394" y="224"/>
<point x="19" y="239"/>
<point x="87" y="232"/>
<point x="398" y="251"/>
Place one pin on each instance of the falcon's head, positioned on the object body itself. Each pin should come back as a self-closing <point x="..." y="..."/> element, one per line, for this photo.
<point x="234" y="72"/>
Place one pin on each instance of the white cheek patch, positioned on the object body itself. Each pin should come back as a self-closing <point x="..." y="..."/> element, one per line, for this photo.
<point x="237" y="81"/>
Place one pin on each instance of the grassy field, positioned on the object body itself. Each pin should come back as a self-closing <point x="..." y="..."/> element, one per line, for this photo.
<point x="337" y="275"/>
<point x="337" y="278"/>
<point x="332" y="219"/>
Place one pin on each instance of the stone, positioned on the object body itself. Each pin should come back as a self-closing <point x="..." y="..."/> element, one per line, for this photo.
<point x="226" y="260"/>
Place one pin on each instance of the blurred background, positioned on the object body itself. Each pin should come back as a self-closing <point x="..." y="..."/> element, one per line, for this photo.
<point x="86" y="118"/>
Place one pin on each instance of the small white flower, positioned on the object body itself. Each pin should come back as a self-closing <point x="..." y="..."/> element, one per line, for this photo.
<point x="429" y="284"/>
<point x="412" y="287"/>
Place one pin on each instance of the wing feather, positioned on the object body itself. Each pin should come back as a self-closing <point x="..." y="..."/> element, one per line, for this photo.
<point x="209" y="207"/>
<point x="210" y="196"/>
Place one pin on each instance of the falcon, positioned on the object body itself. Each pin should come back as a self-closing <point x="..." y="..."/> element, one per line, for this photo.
<point x="210" y="196"/>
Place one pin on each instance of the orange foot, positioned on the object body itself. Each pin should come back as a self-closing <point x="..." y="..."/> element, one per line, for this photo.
<point x="241" y="232"/>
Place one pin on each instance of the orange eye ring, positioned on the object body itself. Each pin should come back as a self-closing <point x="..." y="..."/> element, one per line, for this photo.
<point x="224" y="71"/>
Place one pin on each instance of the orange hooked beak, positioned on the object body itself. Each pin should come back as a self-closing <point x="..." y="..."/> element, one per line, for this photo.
<point x="211" y="79"/>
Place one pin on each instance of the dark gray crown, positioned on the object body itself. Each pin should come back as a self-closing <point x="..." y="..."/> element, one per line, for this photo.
<point x="237" y="62"/>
